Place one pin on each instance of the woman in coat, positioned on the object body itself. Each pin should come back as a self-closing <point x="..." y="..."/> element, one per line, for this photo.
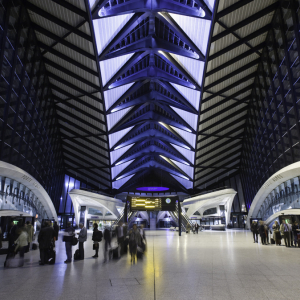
<point x="276" y="233"/>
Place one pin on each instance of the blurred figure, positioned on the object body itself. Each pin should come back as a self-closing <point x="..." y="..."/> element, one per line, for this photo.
<point x="254" y="229"/>
<point x="45" y="240"/>
<point x="143" y="242"/>
<point x="1" y="237"/>
<point x="267" y="233"/>
<point x="295" y="229"/>
<point x="56" y="230"/>
<point x="30" y="232"/>
<point x="120" y="237"/>
<point x="126" y="238"/>
<point x="97" y="237"/>
<point x="287" y="233"/>
<point x="262" y="232"/>
<point x="82" y="237"/>
<point x="196" y="227"/>
<point x="22" y="241"/>
<point x="134" y="241"/>
<point x="107" y="240"/>
<point x="276" y="233"/>
<point x="68" y="237"/>
<point x="12" y="236"/>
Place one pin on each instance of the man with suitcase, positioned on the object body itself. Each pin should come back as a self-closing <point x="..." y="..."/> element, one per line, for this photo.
<point x="45" y="240"/>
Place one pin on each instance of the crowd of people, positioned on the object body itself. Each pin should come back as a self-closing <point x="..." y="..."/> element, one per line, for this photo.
<point x="116" y="241"/>
<point x="290" y="233"/>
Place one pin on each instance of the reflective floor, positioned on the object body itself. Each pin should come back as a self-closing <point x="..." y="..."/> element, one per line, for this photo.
<point x="210" y="265"/>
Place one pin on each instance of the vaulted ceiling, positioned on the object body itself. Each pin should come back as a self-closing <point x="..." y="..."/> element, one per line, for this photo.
<point x="151" y="92"/>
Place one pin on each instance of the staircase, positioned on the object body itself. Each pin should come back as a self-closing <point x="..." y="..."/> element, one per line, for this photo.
<point x="184" y="218"/>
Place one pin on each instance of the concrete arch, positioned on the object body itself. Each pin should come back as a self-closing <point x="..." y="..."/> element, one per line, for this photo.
<point x="272" y="183"/>
<point x="19" y="175"/>
<point x="203" y="202"/>
<point x="84" y="198"/>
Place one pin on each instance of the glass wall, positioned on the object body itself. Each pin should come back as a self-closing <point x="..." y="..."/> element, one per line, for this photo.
<point x="29" y="135"/>
<point x="285" y="196"/>
<point x="273" y="130"/>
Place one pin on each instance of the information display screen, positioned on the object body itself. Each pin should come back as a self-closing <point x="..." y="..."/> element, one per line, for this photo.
<point x="152" y="203"/>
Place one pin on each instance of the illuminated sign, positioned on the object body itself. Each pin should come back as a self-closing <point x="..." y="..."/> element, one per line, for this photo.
<point x="152" y="203"/>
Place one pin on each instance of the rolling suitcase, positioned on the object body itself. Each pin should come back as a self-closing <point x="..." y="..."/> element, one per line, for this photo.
<point x="34" y="246"/>
<point x="77" y="255"/>
<point x="51" y="256"/>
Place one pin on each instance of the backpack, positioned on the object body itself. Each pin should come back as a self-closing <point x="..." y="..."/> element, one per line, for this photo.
<point x="97" y="236"/>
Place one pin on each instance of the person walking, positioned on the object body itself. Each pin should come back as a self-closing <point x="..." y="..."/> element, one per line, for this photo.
<point x="97" y="237"/>
<point x="276" y="233"/>
<point x="287" y="234"/>
<point x="45" y="240"/>
<point x="134" y="241"/>
<point x="107" y="240"/>
<point x="197" y="227"/>
<point x="82" y="237"/>
<point x="30" y="232"/>
<point x="68" y="238"/>
<point x="120" y="237"/>
<point x="262" y="232"/>
<point x="56" y="230"/>
<point x="295" y="230"/>
<point x="254" y="229"/>
<point x="21" y="242"/>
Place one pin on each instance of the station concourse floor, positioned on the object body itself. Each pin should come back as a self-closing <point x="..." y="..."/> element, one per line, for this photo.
<point x="210" y="265"/>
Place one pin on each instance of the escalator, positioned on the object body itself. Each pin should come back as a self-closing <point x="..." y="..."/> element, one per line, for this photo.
<point x="184" y="218"/>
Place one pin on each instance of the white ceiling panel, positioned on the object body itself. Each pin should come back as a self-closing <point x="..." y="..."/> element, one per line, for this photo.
<point x="192" y="96"/>
<point x="197" y="30"/>
<point x="115" y="137"/>
<point x="190" y="118"/>
<point x="114" y="118"/>
<point x="107" y="28"/>
<point x="110" y="67"/>
<point x="111" y="96"/>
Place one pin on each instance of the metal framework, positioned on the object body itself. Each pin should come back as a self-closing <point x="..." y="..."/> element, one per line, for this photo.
<point x="191" y="94"/>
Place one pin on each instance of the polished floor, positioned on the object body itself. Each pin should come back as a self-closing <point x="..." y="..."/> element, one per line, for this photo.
<point x="210" y="265"/>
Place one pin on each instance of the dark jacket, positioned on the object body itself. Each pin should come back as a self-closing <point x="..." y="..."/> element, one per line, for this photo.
<point x="97" y="235"/>
<point x="262" y="230"/>
<point x="107" y="235"/>
<point x="56" y="230"/>
<point x="45" y="237"/>
<point x="254" y="228"/>
<point x="69" y="234"/>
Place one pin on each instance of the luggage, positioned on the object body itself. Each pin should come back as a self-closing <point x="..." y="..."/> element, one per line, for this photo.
<point x="74" y="241"/>
<point x="13" y="261"/>
<point x="113" y="253"/>
<point x="272" y="241"/>
<point x="95" y="246"/>
<point x="51" y="256"/>
<point x="77" y="255"/>
<point x="34" y="246"/>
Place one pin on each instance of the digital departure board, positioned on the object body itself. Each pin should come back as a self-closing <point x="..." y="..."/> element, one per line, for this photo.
<point x="152" y="203"/>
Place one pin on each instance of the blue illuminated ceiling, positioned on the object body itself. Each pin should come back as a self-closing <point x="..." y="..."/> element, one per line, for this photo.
<point x="152" y="56"/>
